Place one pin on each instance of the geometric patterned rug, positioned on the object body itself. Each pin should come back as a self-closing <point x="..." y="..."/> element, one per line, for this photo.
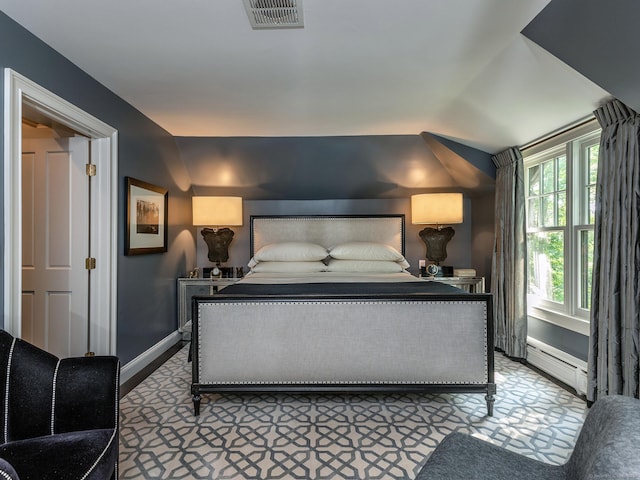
<point x="328" y="436"/>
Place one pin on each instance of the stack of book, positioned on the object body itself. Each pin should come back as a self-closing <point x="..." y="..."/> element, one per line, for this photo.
<point x="464" y="272"/>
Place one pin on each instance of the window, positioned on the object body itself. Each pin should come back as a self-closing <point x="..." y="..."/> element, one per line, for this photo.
<point x="560" y="179"/>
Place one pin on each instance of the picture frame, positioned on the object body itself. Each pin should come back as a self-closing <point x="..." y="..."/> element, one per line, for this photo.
<point x="147" y="218"/>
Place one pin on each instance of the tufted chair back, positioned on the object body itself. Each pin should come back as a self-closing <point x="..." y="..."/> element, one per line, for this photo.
<point x="44" y="396"/>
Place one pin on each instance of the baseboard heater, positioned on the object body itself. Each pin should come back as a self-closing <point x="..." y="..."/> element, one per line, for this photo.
<point x="560" y="365"/>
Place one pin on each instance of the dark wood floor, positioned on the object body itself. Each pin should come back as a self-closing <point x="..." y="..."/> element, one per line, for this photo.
<point x="130" y="384"/>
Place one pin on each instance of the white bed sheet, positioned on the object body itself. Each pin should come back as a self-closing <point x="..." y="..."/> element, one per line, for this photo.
<point x="328" y="277"/>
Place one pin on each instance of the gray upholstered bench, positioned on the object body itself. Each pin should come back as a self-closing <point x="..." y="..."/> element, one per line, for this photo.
<point x="608" y="448"/>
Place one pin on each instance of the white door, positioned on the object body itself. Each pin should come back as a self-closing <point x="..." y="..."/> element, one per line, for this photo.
<point x="55" y="243"/>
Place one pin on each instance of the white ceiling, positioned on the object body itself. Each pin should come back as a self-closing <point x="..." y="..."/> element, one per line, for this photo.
<point x="457" y="68"/>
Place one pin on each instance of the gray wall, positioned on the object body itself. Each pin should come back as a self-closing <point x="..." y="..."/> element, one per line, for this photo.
<point x="146" y="284"/>
<point x="568" y="341"/>
<point x="321" y="168"/>
<point x="347" y="176"/>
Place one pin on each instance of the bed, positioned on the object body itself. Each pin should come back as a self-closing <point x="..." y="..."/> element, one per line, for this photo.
<point x="355" y="321"/>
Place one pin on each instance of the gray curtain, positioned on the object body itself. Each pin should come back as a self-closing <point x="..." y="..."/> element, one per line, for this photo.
<point x="509" y="266"/>
<point x="615" y="300"/>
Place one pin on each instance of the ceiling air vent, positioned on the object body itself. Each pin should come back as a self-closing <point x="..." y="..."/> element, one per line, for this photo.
<point x="274" y="13"/>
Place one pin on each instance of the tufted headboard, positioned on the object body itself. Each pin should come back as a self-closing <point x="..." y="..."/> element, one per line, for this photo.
<point x="327" y="230"/>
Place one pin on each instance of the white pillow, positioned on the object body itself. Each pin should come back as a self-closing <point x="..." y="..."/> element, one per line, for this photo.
<point x="291" y="252"/>
<point x="363" y="266"/>
<point x="368" y="251"/>
<point x="365" y="251"/>
<point x="403" y="263"/>
<point x="289" y="267"/>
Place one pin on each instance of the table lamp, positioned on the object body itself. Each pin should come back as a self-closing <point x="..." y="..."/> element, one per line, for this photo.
<point x="436" y="209"/>
<point x="218" y="213"/>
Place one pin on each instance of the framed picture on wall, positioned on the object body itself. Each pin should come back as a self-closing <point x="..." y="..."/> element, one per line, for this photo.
<point x="147" y="213"/>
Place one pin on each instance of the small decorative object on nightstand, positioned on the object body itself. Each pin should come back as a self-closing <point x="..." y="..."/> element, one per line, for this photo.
<point x="432" y="269"/>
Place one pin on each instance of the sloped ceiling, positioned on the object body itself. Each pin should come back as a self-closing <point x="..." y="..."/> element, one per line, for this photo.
<point x="598" y="39"/>
<point x="458" y="68"/>
<point x="470" y="169"/>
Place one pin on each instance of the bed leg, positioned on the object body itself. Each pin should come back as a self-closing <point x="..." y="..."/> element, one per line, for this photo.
<point x="195" y="396"/>
<point x="196" y="404"/>
<point x="490" y="398"/>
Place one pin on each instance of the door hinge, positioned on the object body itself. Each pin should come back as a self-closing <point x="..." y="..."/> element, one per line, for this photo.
<point x="90" y="263"/>
<point x="91" y="169"/>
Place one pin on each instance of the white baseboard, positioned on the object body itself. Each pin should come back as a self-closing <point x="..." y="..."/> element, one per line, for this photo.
<point x="566" y="368"/>
<point x="145" y="358"/>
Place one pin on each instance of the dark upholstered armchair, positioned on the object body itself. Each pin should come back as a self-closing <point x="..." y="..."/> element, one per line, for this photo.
<point x="608" y="447"/>
<point x="58" y="418"/>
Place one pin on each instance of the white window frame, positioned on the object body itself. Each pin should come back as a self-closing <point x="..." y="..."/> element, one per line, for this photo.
<point x="570" y="143"/>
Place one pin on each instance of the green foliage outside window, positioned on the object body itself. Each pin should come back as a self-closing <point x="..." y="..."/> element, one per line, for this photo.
<point x="546" y="265"/>
<point x="547" y="207"/>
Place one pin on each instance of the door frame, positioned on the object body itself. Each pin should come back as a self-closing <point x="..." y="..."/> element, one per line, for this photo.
<point x="104" y="206"/>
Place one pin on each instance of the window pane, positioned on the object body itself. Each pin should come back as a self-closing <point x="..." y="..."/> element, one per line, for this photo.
<point x="592" y="180"/>
<point x="586" y="267"/>
<point x="533" y="212"/>
<point x="546" y="265"/>
<point x="561" y="202"/>
<point x="548" y="211"/>
<point x="548" y="177"/>
<point x="534" y="180"/>
<point x="562" y="173"/>
<point x="593" y="163"/>
<point x="592" y="205"/>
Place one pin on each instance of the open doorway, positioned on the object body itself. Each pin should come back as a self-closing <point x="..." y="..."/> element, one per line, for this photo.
<point x="55" y="235"/>
<point x="100" y="146"/>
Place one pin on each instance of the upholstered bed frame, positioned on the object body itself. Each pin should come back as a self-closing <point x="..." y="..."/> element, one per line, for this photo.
<point x="341" y="343"/>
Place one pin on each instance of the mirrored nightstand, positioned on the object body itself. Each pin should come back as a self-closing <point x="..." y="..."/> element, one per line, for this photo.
<point x="470" y="284"/>
<point x="190" y="287"/>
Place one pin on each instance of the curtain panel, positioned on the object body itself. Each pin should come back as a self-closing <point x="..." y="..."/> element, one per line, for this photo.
<point x="509" y="265"/>
<point x="615" y="301"/>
